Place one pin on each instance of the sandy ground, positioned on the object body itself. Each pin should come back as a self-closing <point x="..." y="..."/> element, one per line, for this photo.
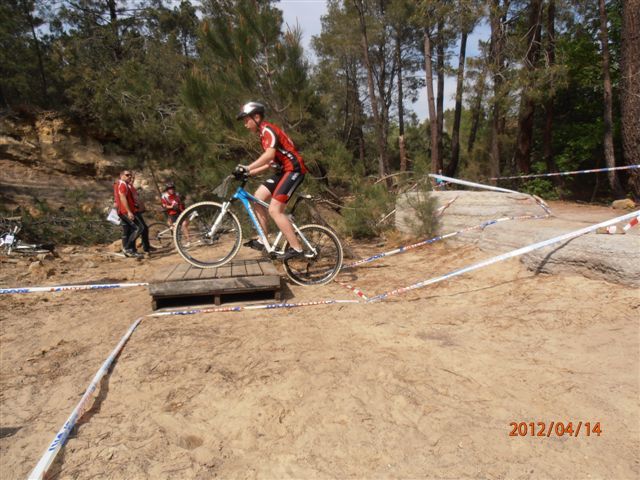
<point x="421" y="386"/>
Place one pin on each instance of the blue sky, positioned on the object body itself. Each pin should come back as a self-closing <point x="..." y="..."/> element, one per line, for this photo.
<point x="307" y="14"/>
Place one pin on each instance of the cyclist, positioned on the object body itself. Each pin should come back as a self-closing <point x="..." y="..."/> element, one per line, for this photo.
<point x="173" y="206"/>
<point x="280" y="153"/>
<point x="171" y="202"/>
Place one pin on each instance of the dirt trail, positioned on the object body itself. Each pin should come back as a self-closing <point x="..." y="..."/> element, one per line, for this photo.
<point x="421" y="386"/>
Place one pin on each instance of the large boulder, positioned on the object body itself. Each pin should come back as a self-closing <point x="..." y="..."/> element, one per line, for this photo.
<point x="609" y="257"/>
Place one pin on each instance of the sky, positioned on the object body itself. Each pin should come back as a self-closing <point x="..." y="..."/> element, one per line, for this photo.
<point x="307" y="14"/>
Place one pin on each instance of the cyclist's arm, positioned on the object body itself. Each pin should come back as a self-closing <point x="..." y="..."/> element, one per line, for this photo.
<point x="263" y="161"/>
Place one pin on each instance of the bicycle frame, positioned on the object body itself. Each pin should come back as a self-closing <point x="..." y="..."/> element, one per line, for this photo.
<point x="247" y="199"/>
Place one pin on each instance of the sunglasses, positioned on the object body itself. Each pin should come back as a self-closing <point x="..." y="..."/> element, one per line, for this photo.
<point x="127" y="175"/>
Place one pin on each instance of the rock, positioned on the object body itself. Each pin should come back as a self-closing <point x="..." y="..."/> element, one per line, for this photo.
<point x="468" y="208"/>
<point x="89" y="265"/>
<point x="607" y="257"/>
<point x="624" y="204"/>
<point x="44" y="256"/>
<point x="116" y="246"/>
<point x="35" y="267"/>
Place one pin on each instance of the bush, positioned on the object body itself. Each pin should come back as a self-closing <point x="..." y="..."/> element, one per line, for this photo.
<point x="72" y="225"/>
<point x="363" y="214"/>
<point x="425" y="223"/>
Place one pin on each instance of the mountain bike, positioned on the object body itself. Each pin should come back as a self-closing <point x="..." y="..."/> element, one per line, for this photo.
<point x="9" y="242"/>
<point x="215" y="236"/>
<point x="160" y="235"/>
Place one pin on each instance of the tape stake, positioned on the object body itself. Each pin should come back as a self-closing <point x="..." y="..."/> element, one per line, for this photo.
<point x="61" y="437"/>
<point x="66" y="288"/>
<point x="505" y="256"/>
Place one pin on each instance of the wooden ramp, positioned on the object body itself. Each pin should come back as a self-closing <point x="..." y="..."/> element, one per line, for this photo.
<point x="238" y="280"/>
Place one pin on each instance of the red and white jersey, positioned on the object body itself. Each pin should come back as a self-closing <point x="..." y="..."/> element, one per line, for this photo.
<point x="172" y="203"/>
<point x="286" y="153"/>
<point x="120" y="186"/>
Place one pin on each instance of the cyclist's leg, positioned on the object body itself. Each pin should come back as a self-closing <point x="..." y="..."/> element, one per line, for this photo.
<point x="286" y="187"/>
<point x="264" y="193"/>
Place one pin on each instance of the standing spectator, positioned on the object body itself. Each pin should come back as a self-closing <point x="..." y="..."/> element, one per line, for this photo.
<point x="125" y="203"/>
<point x="173" y="206"/>
<point x="139" y="219"/>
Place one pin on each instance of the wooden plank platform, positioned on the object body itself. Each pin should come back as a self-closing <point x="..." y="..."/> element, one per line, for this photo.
<point x="239" y="280"/>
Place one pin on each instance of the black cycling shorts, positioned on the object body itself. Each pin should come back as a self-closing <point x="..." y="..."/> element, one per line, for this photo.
<point x="283" y="185"/>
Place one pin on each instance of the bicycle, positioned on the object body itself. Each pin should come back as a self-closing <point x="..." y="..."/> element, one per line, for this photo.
<point x="9" y="241"/>
<point x="215" y="236"/>
<point x="160" y="235"/>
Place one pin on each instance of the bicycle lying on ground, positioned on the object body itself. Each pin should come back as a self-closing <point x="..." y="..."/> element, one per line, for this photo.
<point x="215" y="236"/>
<point x="9" y="242"/>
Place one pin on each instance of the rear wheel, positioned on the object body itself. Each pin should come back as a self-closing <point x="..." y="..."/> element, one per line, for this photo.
<point x="322" y="260"/>
<point x="160" y="235"/>
<point x="202" y="245"/>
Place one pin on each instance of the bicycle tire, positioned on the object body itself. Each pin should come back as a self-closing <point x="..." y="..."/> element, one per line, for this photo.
<point x="321" y="268"/>
<point x="32" y="248"/>
<point x="160" y="235"/>
<point x="199" y="248"/>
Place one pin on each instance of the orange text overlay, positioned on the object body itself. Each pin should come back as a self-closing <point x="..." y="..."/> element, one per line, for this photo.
<point x="558" y="429"/>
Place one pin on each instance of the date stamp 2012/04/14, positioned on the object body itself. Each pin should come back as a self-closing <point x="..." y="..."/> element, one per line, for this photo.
<point x="559" y="429"/>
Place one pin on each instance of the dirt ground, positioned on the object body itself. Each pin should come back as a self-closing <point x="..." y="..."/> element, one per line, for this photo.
<point x="424" y="385"/>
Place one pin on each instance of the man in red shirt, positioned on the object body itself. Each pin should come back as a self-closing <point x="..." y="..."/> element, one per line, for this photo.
<point x="280" y="152"/>
<point x="126" y="205"/>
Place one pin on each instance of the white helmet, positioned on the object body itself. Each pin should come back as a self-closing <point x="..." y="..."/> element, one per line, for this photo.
<point x="249" y="109"/>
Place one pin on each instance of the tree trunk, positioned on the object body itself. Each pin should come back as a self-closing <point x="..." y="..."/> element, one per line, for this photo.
<point x="497" y="21"/>
<point x="440" y="99"/>
<point x="372" y="92"/>
<point x="547" y="135"/>
<point x="436" y="162"/>
<point x="609" y="156"/>
<point x="113" y="17"/>
<point x="527" y="105"/>
<point x="455" y="134"/>
<point x="476" y="110"/>
<point x="401" y="146"/>
<point x="36" y="44"/>
<point x="630" y="97"/>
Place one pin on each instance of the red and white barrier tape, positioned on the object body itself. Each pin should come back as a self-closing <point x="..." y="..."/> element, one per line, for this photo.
<point x="355" y="290"/>
<point x="241" y="308"/>
<point x="575" y="172"/>
<point x="60" y="439"/>
<point x="64" y="288"/>
<point x="505" y="256"/>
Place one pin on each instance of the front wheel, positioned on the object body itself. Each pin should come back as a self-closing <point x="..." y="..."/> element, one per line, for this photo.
<point x="322" y="256"/>
<point x="206" y="239"/>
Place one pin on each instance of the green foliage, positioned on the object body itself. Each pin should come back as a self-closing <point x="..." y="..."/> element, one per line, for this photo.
<point x="425" y="223"/>
<point x="162" y="81"/>
<point x="71" y="226"/>
<point x="541" y="187"/>
<point x="363" y="214"/>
